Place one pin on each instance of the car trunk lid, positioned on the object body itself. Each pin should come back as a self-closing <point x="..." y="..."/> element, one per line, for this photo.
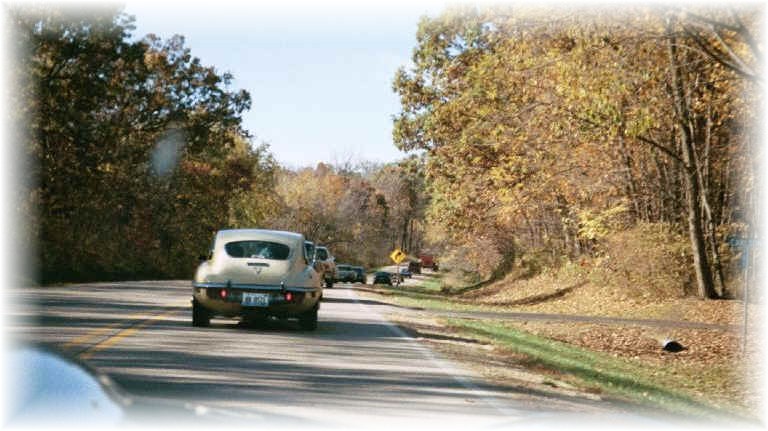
<point x="255" y="271"/>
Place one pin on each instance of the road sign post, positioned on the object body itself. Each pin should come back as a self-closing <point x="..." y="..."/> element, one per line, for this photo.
<point x="397" y="256"/>
<point x="745" y="245"/>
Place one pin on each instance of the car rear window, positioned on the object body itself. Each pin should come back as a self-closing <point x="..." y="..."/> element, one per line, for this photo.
<point x="258" y="250"/>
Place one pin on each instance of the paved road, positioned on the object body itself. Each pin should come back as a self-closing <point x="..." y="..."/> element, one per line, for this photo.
<point x="356" y="371"/>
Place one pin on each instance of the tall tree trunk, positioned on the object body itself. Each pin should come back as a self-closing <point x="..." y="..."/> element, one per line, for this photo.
<point x="704" y="282"/>
<point x="665" y="191"/>
<point x="631" y="185"/>
<point x="702" y="175"/>
<point x="404" y="237"/>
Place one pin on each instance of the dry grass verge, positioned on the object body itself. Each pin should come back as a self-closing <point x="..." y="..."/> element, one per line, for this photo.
<point x="713" y="370"/>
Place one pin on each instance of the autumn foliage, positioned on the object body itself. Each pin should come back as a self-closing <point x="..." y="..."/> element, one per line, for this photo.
<point x="537" y="137"/>
<point x="360" y="212"/>
<point x="540" y="125"/>
<point x="135" y="148"/>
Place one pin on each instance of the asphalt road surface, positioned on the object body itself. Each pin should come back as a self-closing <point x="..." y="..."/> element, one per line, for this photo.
<point x="356" y="371"/>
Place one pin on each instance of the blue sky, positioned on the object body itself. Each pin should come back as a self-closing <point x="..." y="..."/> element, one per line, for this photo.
<point x="319" y="74"/>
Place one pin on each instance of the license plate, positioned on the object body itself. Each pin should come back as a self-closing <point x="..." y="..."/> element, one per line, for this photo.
<point x="255" y="299"/>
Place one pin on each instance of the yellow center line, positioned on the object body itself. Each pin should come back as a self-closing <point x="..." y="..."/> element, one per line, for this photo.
<point x="101" y="331"/>
<point x="127" y="332"/>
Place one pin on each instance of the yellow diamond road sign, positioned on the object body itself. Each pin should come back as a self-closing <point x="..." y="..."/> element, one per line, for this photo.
<point x="397" y="256"/>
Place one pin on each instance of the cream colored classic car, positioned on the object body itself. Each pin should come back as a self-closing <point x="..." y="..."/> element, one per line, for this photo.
<point x="255" y="274"/>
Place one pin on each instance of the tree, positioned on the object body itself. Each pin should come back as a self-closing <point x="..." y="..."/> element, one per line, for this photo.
<point x="334" y="207"/>
<point x="693" y="192"/>
<point x="136" y="146"/>
<point x="539" y="123"/>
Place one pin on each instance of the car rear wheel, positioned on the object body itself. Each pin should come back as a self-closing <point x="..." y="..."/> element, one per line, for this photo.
<point x="200" y="316"/>
<point x="308" y="320"/>
<point x="329" y="284"/>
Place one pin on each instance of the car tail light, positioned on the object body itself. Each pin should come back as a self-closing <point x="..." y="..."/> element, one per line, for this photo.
<point x="289" y="296"/>
<point x="223" y="293"/>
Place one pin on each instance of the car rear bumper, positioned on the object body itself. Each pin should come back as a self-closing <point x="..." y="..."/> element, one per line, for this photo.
<point x="230" y="304"/>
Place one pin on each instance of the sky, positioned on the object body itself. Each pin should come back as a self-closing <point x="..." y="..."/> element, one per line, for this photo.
<point x="319" y="74"/>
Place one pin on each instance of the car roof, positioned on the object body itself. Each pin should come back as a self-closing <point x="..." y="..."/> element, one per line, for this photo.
<point x="262" y="234"/>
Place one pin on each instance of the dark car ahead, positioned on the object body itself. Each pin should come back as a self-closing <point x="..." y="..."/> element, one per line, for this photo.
<point x="360" y="272"/>
<point x="414" y="267"/>
<point x="382" y="277"/>
<point x="345" y="273"/>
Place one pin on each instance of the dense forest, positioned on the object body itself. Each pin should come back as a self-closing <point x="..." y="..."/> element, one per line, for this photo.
<point x="537" y="138"/>
<point x="567" y="134"/>
<point x="137" y="155"/>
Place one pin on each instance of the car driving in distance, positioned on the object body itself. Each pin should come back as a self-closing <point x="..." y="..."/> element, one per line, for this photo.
<point x="382" y="277"/>
<point x="359" y="274"/>
<point x="254" y="274"/>
<point x="326" y="264"/>
<point x="345" y="273"/>
<point x="414" y="267"/>
<point x="405" y="272"/>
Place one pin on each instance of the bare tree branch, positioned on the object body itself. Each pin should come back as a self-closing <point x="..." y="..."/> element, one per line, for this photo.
<point x="709" y="50"/>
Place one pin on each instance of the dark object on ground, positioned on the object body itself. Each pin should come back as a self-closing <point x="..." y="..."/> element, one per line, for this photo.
<point x="673" y="346"/>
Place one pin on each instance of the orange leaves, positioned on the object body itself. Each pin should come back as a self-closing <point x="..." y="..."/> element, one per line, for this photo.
<point x="554" y="115"/>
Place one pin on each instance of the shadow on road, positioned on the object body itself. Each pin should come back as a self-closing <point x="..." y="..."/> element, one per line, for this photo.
<point x="364" y="379"/>
<point x="351" y="363"/>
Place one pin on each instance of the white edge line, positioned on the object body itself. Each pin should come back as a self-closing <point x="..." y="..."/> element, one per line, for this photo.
<point x="441" y="363"/>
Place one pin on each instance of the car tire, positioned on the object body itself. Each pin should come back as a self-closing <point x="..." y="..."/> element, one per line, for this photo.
<point x="329" y="284"/>
<point x="200" y="316"/>
<point x="308" y="320"/>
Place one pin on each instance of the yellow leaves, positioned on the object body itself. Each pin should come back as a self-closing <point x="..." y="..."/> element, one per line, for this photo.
<point x="640" y="122"/>
<point x="596" y="225"/>
<point x="153" y="59"/>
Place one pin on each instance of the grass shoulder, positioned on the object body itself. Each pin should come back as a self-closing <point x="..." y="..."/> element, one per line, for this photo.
<point x="624" y="362"/>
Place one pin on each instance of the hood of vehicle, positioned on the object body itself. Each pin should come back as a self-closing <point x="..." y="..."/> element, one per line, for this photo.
<point x="251" y="271"/>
